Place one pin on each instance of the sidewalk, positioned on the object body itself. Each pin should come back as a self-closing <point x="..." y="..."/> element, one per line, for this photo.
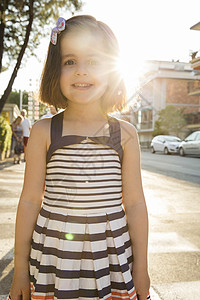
<point x="11" y="179"/>
<point x="6" y="163"/>
<point x="174" y="237"/>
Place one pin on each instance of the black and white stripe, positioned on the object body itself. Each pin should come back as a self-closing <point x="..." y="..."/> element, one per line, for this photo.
<point x="80" y="176"/>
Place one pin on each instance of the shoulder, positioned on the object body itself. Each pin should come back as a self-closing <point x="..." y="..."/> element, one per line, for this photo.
<point x="41" y="131"/>
<point x="129" y="136"/>
<point x="25" y="122"/>
<point x="42" y="125"/>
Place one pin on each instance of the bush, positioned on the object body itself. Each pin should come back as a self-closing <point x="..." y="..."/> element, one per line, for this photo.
<point x="159" y="130"/>
<point x="5" y="138"/>
<point x="171" y="120"/>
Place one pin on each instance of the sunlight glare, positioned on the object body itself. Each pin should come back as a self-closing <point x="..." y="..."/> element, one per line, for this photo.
<point x="131" y="69"/>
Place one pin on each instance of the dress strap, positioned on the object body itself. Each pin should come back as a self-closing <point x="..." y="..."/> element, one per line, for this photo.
<point x="56" y="126"/>
<point x="115" y="135"/>
<point x="115" y="130"/>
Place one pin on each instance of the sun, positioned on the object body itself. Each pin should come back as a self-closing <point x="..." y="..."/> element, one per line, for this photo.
<point x="131" y="68"/>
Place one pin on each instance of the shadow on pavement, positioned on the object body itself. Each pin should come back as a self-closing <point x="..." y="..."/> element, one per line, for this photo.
<point x="6" y="272"/>
<point x="6" y="163"/>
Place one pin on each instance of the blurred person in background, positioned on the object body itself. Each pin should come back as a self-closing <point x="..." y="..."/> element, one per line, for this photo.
<point x="26" y="125"/>
<point x="52" y="111"/>
<point x="17" y="139"/>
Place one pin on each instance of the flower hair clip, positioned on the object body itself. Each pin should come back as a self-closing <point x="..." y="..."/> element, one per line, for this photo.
<point x="60" y="26"/>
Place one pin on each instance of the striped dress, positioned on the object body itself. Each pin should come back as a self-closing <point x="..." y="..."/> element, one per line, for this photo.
<point x="81" y="247"/>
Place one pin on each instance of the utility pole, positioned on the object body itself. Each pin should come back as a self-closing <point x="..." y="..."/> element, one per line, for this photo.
<point x="20" y="100"/>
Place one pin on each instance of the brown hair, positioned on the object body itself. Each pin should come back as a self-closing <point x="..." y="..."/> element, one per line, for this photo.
<point x="50" y="92"/>
<point x="17" y="121"/>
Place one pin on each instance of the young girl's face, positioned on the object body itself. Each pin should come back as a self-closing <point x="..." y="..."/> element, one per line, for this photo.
<point x="84" y="68"/>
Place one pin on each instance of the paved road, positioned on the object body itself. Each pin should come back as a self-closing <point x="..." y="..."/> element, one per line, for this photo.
<point x="174" y="243"/>
<point x="184" y="168"/>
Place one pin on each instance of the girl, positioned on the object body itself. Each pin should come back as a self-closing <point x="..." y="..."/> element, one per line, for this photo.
<point x="78" y="245"/>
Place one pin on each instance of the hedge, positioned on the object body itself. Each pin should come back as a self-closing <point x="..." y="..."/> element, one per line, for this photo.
<point x="5" y="138"/>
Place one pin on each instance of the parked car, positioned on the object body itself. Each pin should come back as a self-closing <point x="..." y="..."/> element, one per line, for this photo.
<point x="165" y="143"/>
<point x="191" y="144"/>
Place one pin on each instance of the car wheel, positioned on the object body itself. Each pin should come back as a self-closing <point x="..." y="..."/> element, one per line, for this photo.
<point x="181" y="152"/>
<point x="166" y="151"/>
<point x="152" y="150"/>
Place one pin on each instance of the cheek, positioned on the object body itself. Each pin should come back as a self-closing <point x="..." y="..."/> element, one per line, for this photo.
<point x="104" y="81"/>
<point x="64" y="72"/>
<point x="102" y="74"/>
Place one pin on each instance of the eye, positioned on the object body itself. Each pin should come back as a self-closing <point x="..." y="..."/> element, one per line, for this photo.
<point x="70" y="62"/>
<point x="93" y="62"/>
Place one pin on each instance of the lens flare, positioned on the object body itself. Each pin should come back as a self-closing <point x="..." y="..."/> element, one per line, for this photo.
<point x="69" y="236"/>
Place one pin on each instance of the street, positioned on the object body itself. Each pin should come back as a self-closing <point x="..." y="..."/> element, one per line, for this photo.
<point x="184" y="168"/>
<point x="174" y="222"/>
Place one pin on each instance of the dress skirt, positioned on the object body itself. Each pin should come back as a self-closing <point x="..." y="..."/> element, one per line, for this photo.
<point x="81" y="256"/>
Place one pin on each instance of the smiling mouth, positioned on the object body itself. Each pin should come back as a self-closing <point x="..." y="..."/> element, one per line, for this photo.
<point x="82" y="85"/>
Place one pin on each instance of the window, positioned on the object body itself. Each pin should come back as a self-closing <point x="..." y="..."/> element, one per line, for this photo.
<point x="198" y="137"/>
<point x="191" y="137"/>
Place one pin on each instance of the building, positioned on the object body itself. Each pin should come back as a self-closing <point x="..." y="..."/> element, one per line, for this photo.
<point x="164" y="83"/>
<point x="195" y="64"/>
<point x="10" y="112"/>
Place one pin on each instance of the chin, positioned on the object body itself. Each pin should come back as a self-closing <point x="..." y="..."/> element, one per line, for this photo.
<point x="84" y="100"/>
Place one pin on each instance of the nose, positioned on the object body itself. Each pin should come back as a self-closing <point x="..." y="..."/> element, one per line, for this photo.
<point x="81" y="70"/>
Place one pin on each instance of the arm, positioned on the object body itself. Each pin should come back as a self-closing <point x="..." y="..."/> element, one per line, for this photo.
<point x="135" y="208"/>
<point x="22" y="134"/>
<point x="29" y="207"/>
<point x="29" y="126"/>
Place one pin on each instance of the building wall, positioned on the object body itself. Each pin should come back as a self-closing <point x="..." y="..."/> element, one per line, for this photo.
<point x="159" y="93"/>
<point x="177" y="93"/>
<point x="155" y="94"/>
<point x="148" y="93"/>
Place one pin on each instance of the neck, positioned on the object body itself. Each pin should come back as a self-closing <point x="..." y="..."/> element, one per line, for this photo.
<point x="85" y="113"/>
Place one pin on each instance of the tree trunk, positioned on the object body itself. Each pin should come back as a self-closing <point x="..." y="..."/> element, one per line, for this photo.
<point x="19" y="59"/>
<point x="2" y="29"/>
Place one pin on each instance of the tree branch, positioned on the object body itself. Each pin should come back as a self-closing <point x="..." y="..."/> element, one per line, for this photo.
<point x="3" y="7"/>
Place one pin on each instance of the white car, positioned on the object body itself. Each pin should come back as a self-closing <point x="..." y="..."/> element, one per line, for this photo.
<point x="166" y="144"/>
<point x="191" y="145"/>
